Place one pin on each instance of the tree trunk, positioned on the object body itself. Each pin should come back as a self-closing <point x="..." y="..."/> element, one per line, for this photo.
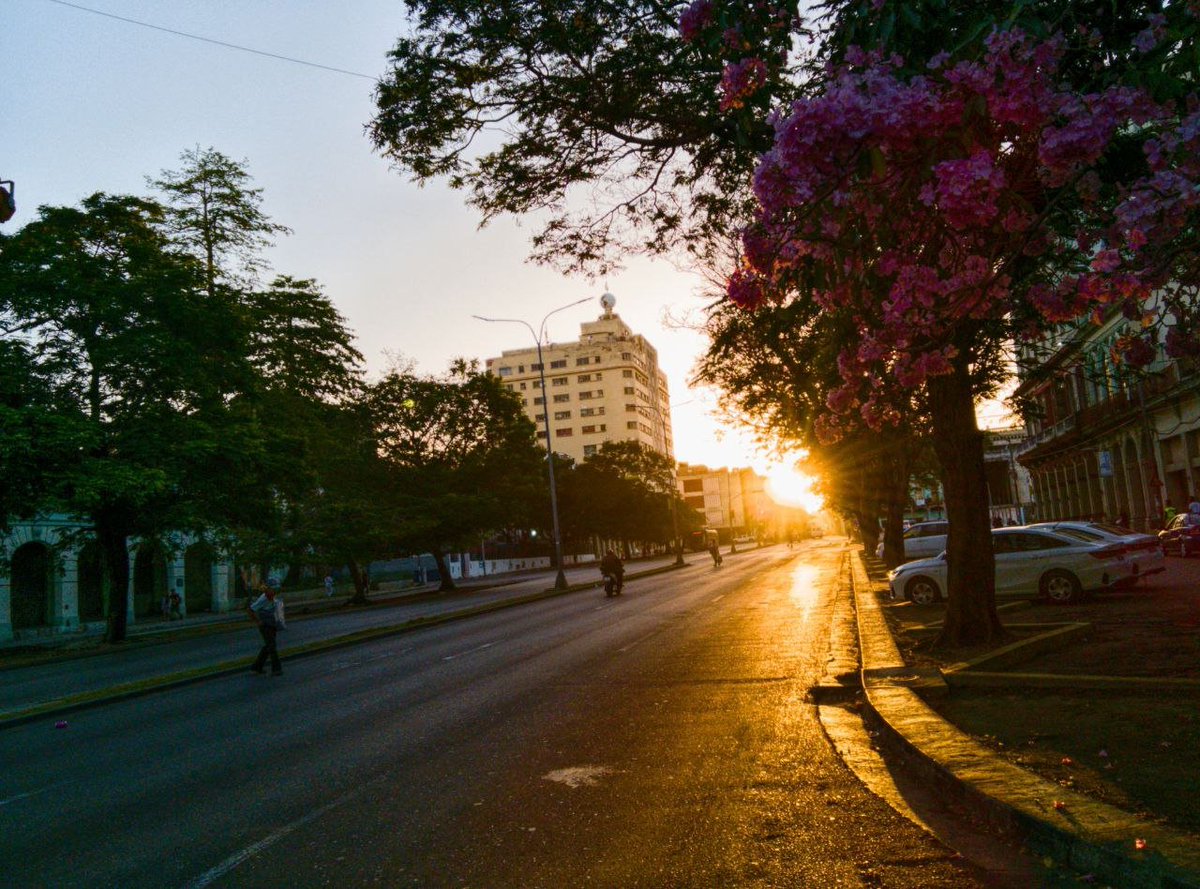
<point x="971" y="617"/>
<point x="897" y="497"/>
<point x="447" y="584"/>
<point x="360" y="583"/>
<point x="115" y="557"/>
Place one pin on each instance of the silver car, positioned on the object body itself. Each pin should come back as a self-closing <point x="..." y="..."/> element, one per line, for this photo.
<point x="1143" y="552"/>
<point x="1029" y="562"/>
<point x="921" y="540"/>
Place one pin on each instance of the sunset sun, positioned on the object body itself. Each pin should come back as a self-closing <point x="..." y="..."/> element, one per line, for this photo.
<point x="787" y="487"/>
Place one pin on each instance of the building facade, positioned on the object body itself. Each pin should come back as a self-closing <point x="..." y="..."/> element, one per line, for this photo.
<point x="605" y="386"/>
<point x="1105" y="441"/>
<point x="50" y="582"/>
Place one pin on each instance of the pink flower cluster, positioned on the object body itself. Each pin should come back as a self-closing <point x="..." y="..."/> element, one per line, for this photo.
<point x="694" y="19"/>
<point x="740" y="81"/>
<point x="916" y="203"/>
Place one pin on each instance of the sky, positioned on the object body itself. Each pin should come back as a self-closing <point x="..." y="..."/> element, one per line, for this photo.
<point x="92" y="103"/>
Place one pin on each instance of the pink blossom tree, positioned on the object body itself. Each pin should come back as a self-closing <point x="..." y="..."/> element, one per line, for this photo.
<point x="979" y="201"/>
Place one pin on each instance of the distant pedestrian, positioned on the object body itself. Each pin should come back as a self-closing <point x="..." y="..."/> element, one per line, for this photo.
<point x="267" y="612"/>
<point x="328" y="585"/>
<point x="176" y="607"/>
<point x="1193" y="516"/>
<point x="715" y="552"/>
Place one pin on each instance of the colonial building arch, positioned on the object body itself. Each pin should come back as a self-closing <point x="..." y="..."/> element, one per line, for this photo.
<point x="199" y="561"/>
<point x="90" y="583"/>
<point x="31" y="584"/>
<point x="149" y="578"/>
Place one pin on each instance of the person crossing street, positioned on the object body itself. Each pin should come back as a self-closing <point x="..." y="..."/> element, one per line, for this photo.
<point x="267" y="612"/>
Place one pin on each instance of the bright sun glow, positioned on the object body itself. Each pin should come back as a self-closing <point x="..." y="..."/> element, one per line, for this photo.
<point x="787" y="487"/>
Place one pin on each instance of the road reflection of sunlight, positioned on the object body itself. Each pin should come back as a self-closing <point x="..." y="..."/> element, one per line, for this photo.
<point x="804" y="588"/>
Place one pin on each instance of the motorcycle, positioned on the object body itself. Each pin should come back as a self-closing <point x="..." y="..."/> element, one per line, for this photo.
<point x="613" y="583"/>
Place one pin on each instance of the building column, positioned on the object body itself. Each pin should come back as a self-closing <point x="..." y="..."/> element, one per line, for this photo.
<point x="64" y="594"/>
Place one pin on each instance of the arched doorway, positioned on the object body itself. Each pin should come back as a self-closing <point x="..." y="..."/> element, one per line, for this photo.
<point x="149" y="579"/>
<point x="91" y="583"/>
<point x="197" y="577"/>
<point x="31" y="580"/>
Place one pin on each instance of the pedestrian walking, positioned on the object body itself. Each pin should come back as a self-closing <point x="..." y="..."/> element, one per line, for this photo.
<point x="176" y="606"/>
<point x="267" y="612"/>
<point x="328" y="585"/>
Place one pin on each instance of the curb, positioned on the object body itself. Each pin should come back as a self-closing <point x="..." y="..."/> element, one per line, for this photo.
<point x="1089" y="836"/>
<point x="125" y="691"/>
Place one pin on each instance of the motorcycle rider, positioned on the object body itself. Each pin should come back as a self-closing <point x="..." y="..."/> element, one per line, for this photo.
<point x="611" y="564"/>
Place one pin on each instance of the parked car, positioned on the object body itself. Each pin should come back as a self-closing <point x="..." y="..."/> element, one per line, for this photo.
<point x="1029" y="562"/>
<point x="1179" y="538"/>
<point x="921" y="540"/>
<point x="1143" y="552"/>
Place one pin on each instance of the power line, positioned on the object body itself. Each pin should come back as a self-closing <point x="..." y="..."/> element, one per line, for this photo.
<point x="257" y="52"/>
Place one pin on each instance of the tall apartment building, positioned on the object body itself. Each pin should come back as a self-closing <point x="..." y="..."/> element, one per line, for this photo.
<point x="606" y="386"/>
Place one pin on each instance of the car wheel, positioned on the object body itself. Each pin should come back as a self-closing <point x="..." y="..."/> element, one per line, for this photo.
<point x="1061" y="587"/>
<point x="922" y="590"/>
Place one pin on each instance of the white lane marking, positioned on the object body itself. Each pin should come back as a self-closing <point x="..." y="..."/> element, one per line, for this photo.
<point x="578" y="776"/>
<point x="20" y="796"/>
<point x="213" y="874"/>
<point x="451" y="657"/>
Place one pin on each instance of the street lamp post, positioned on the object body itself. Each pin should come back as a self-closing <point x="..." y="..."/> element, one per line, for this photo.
<point x="560" y="580"/>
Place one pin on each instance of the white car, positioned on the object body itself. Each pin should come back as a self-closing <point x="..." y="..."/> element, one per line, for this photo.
<point x="1029" y="562"/>
<point x="921" y="540"/>
<point x="1143" y="552"/>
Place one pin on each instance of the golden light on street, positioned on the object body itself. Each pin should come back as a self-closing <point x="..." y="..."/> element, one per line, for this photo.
<point x="787" y="487"/>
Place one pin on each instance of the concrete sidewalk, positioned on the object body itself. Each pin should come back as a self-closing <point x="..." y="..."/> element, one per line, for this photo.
<point x="1090" y="837"/>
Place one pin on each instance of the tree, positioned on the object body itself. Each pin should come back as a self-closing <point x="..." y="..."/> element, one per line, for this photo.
<point x="947" y="205"/>
<point x="217" y="217"/>
<point x="300" y="343"/>
<point x="463" y="453"/>
<point x="625" y="491"/>
<point x="139" y="368"/>
<point x="581" y="97"/>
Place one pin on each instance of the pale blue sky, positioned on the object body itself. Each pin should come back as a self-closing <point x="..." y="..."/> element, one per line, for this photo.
<point x="95" y="104"/>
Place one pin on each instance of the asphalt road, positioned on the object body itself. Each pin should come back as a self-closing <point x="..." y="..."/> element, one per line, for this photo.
<point x="661" y="739"/>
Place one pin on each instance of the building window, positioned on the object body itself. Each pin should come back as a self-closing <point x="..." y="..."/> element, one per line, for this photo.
<point x="583" y="378"/>
<point x="539" y="418"/>
<point x="599" y="393"/>
<point x="630" y="408"/>
<point x="563" y="433"/>
<point x="693" y="485"/>
<point x="539" y="400"/>
<point x="599" y="376"/>
<point x="559" y="399"/>
<point x="580" y="362"/>
<point x="628" y="390"/>
<point x="584" y="396"/>
<point x="559" y="381"/>
<point x="535" y="367"/>
<point x="632" y="424"/>
<point x="599" y="412"/>
<point x="562" y="415"/>
<point x="588" y="430"/>
<point x="694" y="502"/>
<point x="505" y="371"/>
<point x="587" y="411"/>
<point x="626" y="356"/>
<point x="537" y="384"/>
<point x="541" y="433"/>
<point x="628" y="374"/>
<point x="522" y="387"/>
<point x="589" y="450"/>
<point x="561" y="362"/>
<point x="520" y="368"/>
